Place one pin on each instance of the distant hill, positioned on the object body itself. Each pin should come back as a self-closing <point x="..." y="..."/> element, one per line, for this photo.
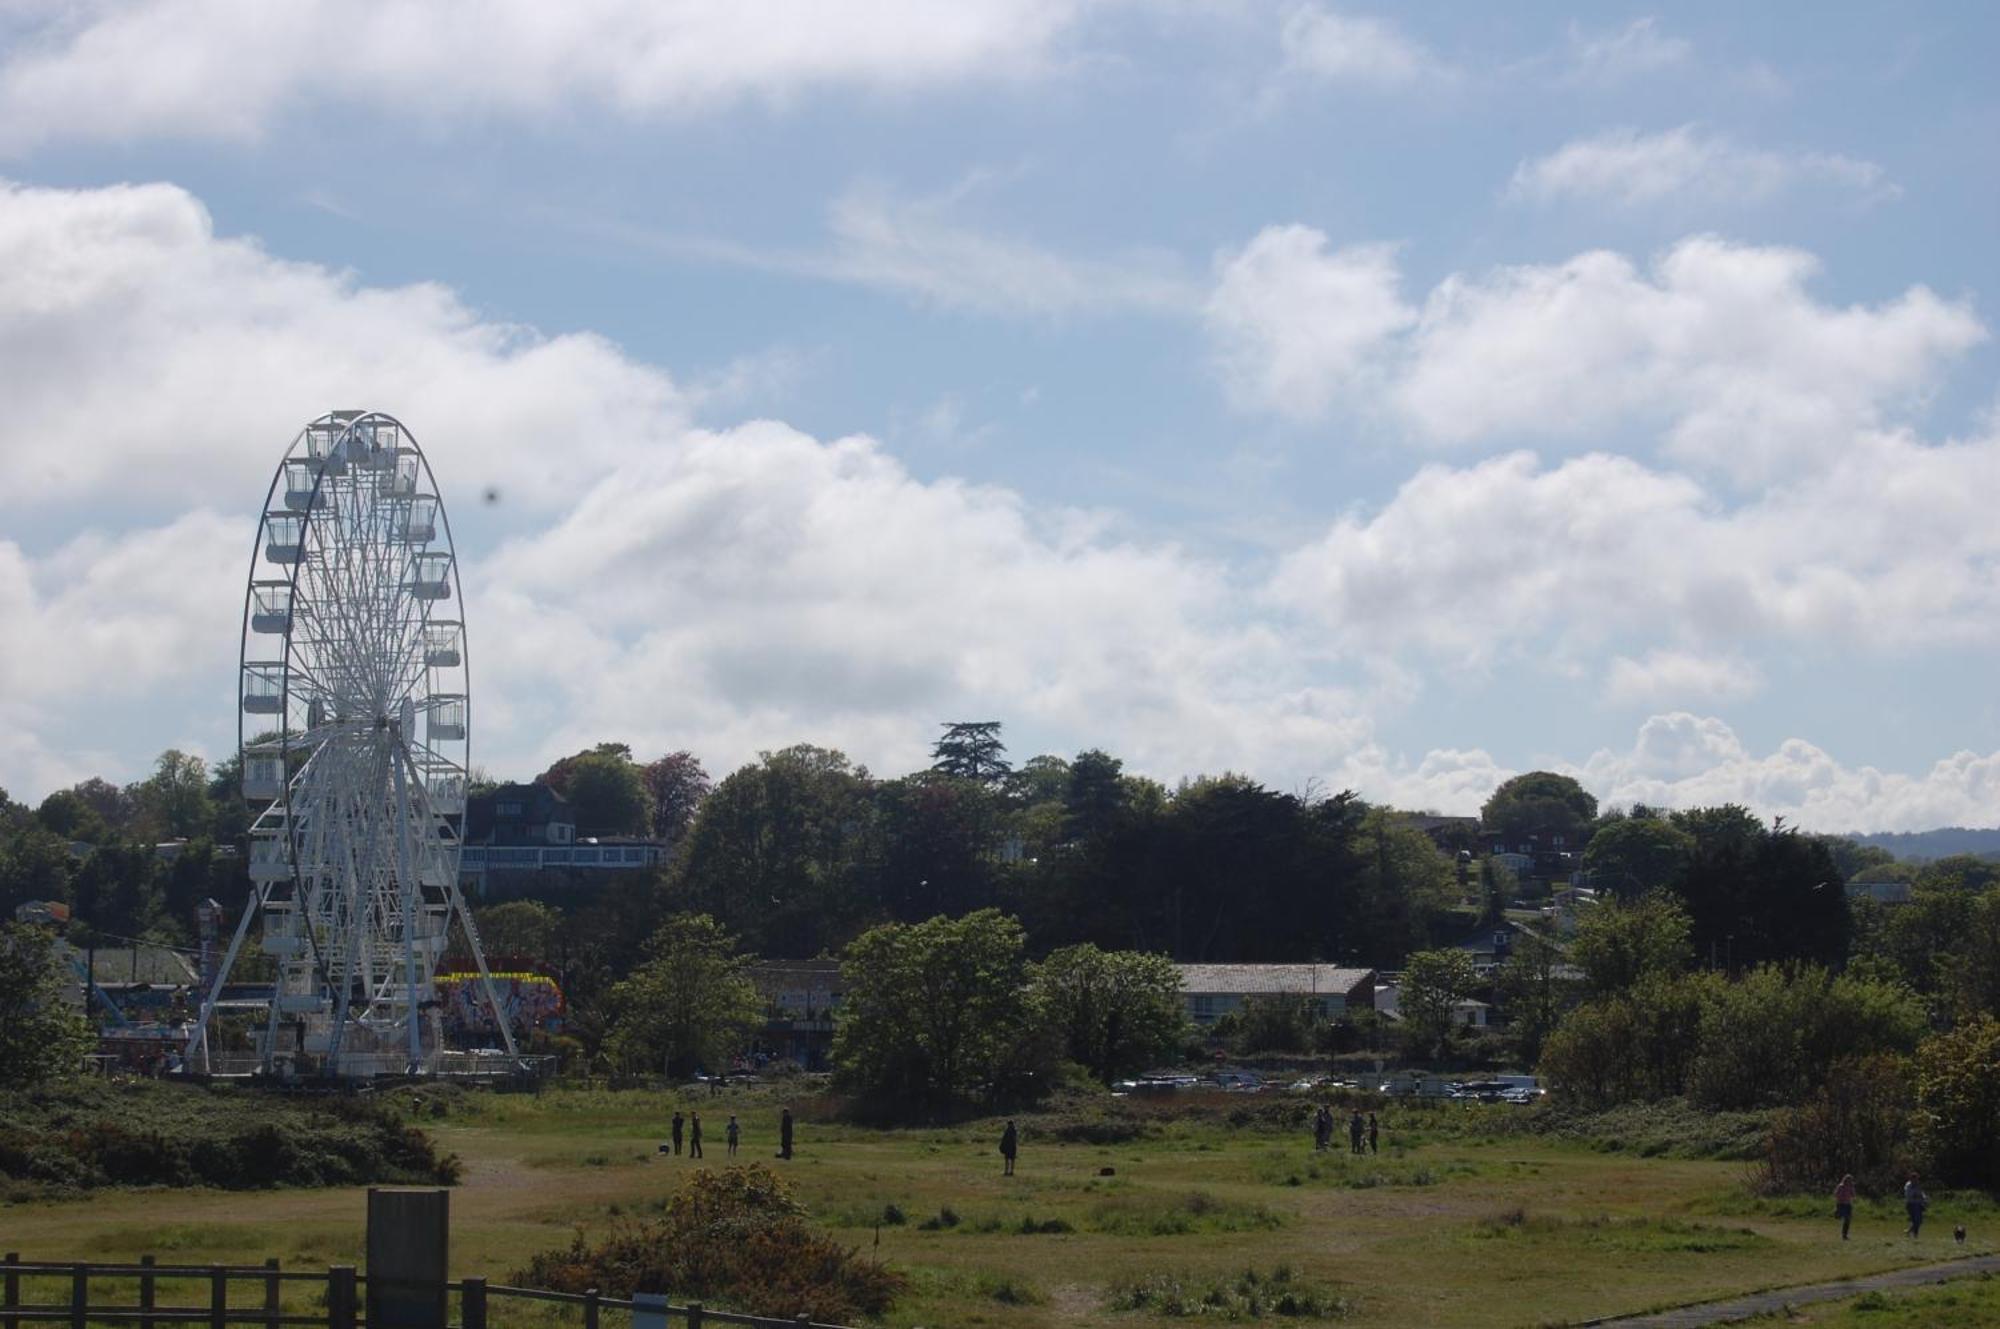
<point x="1922" y="846"/>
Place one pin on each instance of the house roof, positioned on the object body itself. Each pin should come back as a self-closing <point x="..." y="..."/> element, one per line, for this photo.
<point x="1254" y="979"/>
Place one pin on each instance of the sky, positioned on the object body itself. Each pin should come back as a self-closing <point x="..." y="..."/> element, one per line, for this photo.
<point x="1393" y="399"/>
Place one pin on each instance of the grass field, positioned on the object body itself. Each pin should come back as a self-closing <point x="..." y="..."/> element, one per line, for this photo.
<point x="1447" y="1227"/>
<point x="1973" y="1303"/>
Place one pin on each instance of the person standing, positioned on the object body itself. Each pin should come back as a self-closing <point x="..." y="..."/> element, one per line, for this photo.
<point x="1010" y="1144"/>
<point x="1355" y="1127"/>
<point x="1374" y="1135"/>
<point x="694" y="1135"/>
<point x="730" y="1134"/>
<point x="785" y="1134"/>
<point x="1843" y="1204"/>
<point x="1914" y="1204"/>
<point x="678" y="1125"/>
<point x="1322" y="1128"/>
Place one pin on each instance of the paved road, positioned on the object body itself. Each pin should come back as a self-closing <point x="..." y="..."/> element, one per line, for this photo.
<point x="1742" y="1308"/>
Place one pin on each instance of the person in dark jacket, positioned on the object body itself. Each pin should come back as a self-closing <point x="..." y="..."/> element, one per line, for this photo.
<point x="694" y="1135"/>
<point x="1915" y="1202"/>
<point x="680" y="1123"/>
<point x="1355" y="1128"/>
<point x="732" y="1134"/>
<point x="785" y="1134"/>
<point x="1374" y="1135"/>
<point x="1010" y="1144"/>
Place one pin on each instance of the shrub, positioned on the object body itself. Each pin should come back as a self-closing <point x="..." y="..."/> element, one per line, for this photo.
<point x="1958" y="1103"/>
<point x="1858" y="1122"/>
<point x="733" y="1235"/>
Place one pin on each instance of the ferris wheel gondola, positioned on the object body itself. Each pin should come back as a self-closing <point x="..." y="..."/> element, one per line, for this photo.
<point x="353" y="733"/>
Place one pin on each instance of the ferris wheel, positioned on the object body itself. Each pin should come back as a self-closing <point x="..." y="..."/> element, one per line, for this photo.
<point x="352" y="729"/>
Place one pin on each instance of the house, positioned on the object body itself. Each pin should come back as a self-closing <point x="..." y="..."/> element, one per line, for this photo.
<point x="801" y="998"/>
<point x="1451" y="834"/>
<point x="529" y="829"/>
<point x="1466" y="1014"/>
<point x="1212" y="991"/>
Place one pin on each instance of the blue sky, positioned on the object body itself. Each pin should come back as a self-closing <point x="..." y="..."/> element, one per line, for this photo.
<point x="1383" y="399"/>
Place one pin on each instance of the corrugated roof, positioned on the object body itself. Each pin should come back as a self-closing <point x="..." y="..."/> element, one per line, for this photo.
<point x="1251" y="979"/>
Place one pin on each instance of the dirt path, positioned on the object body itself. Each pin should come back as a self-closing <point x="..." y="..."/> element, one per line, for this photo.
<point x="1761" y="1303"/>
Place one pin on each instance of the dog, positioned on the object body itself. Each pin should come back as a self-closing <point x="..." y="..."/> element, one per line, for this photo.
<point x="1958" y="1234"/>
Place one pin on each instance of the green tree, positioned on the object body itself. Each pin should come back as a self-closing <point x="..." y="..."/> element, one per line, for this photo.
<point x="65" y="814"/>
<point x="1724" y="825"/>
<point x="173" y="801"/>
<point x="1540" y="803"/>
<point x="1113" y="1012"/>
<point x="971" y="750"/>
<point x="1757" y="896"/>
<point x="43" y="1036"/>
<point x="1434" y="982"/>
<point x="1971" y="969"/>
<point x="519" y="930"/>
<point x="1959" y="872"/>
<point x="933" y="1010"/>
<point x="675" y="784"/>
<point x="34" y="865"/>
<point x="1958" y="1102"/>
<point x="607" y="793"/>
<point x="1398" y="883"/>
<point x="1634" y="855"/>
<point x="1096" y="796"/>
<point x="1619" y="942"/>
<point x="1535" y="990"/>
<point x="690" y="1004"/>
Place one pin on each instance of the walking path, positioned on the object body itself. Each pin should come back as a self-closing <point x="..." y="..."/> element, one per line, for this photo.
<point x="1761" y="1303"/>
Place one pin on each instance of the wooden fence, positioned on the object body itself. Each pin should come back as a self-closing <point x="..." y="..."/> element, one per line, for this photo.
<point x="130" y="1294"/>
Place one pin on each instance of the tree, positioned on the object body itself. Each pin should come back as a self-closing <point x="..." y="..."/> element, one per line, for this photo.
<point x="523" y="930"/>
<point x="1757" y="895"/>
<point x="1958" y="1102"/>
<point x="1398" y="884"/>
<point x="1095" y="797"/>
<point x="43" y="1036"/>
<point x="1535" y="991"/>
<point x="933" y="1010"/>
<point x="1715" y="827"/>
<point x="1634" y="855"/>
<point x="971" y="750"/>
<point x="690" y="1004"/>
<point x="1113" y="1012"/>
<point x="1540" y="803"/>
<point x="608" y="795"/>
<point x="1434" y="982"/>
<point x="65" y="814"/>
<point x="173" y="801"/>
<point x="1619" y="942"/>
<point x="676" y="783"/>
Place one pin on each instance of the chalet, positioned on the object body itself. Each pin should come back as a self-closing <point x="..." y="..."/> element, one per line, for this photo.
<point x="1211" y="991"/>
<point x="514" y="830"/>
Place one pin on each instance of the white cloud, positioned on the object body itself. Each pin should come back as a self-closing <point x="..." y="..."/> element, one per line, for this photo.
<point x="1720" y="346"/>
<point x="1639" y="49"/>
<point x="1356" y="51"/>
<point x="1298" y="326"/>
<point x="1671" y="675"/>
<point x="230" y="68"/>
<point x="1630" y="169"/>
<point x="175" y="364"/>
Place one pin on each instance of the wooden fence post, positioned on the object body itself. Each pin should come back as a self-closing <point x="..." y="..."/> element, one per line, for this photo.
<point x="340" y="1297"/>
<point x="79" y="1297"/>
<point x="218" y="1298"/>
<point x="591" y="1296"/>
<point x="472" y="1304"/>
<point x="10" y="1291"/>
<point x="146" y="1292"/>
<point x="271" y="1293"/>
<point x="694" y="1315"/>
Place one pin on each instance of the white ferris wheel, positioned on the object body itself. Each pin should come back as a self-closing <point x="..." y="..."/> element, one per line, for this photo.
<point x="352" y="728"/>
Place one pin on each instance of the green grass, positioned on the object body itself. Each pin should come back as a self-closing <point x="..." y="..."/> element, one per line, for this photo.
<point x="1971" y="1303"/>
<point x="1463" y="1219"/>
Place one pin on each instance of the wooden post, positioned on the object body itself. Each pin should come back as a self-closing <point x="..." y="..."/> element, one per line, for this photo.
<point x="218" y="1298"/>
<point x="271" y="1293"/>
<point x="694" y="1315"/>
<point x="79" y="1297"/>
<point x="472" y="1304"/>
<point x="340" y="1297"/>
<point x="146" y="1293"/>
<point x="409" y="1233"/>
<point x="10" y="1291"/>
<point x="591" y="1297"/>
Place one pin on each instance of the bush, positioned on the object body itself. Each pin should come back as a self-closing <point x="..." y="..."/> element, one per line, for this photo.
<point x="1958" y="1103"/>
<point x="733" y="1235"/>
<point x="1858" y="1122"/>
<point x="90" y="1133"/>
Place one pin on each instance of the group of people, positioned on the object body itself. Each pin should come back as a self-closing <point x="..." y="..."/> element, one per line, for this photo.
<point x="1915" y="1204"/>
<point x="1364" y="1136"/>
<point x="688" y="1128"/>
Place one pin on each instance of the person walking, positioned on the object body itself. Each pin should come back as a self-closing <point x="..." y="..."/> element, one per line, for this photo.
<point x="730" y="1133"/>
<point x="1914" y="1204"/>
<point x="1355" y="1128"/>
<point x="1843" y="1204"/>
<point x="1374" y="1135"/>
<point x="1322" y="1128"/>
<point x="694" y="1135"/>
<point x="679" y="1124"/>
<point x="1010" y="1144"/>
<point x="785" y="1134"/>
